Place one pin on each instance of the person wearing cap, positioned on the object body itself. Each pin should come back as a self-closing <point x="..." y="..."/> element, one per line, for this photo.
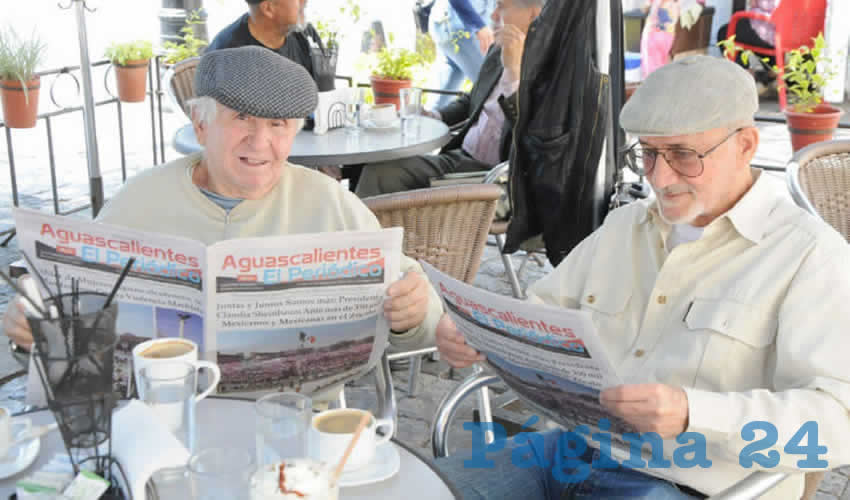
<point x="278" y="25"/>
<point x="719" y="301"/>
<point x="250" y="103"/>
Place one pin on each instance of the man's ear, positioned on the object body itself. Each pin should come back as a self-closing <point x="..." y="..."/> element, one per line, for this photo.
<point x="200" y="129"/>
<point x="748" y="143"/>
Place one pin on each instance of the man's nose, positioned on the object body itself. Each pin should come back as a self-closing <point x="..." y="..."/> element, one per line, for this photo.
<point x="662" y="174"/>
<point x="260" y="135"/>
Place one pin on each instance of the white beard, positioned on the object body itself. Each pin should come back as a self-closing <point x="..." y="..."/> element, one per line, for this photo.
<point x="694" y="210"/>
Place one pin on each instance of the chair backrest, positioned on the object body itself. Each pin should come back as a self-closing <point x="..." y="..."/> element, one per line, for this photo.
<point x="180" y="82"/>
<point x="444" y="226"/>
<point x="819" y="180"/>
<point x="694" y="40"/>
<point x="798" y="21"/>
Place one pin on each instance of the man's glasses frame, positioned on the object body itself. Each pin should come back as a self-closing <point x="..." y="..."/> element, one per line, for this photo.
<point x="686" y="162"/>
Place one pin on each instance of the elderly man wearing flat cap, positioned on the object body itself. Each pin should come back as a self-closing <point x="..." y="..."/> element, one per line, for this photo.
<point x="719" y="301"/>
<point x="250" y="104"/>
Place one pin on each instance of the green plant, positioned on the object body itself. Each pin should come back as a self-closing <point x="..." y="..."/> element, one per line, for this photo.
<point x="19" y="57"/>
<point x="397" y="63"/>
<point x="329" y="29"/>
<point x="189" y="45"/>
<point x="120" y="53"/>
<point x="457" y="36"/>
<point x="806" y="73"/>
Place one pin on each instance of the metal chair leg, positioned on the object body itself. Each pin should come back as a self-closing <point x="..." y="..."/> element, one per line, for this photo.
<point x="509" y="268"/>
<point x="448" y="407"/>
<point x="413" y="376"/>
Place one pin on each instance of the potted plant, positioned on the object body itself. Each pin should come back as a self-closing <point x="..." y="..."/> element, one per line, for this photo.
<point x="392" y="71"/>
<point x="806" y="73"/>
<point x="809" y="118"/>
<point x="189" y="45"/>
<point x="130" y="61"/>
<point x="19" y="84"/>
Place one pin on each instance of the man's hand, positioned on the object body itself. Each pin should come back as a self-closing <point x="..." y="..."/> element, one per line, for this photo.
<point x="485" y="39"/>
<point x="407" y="302"/>
<point x="452" y="345"/>
<point x="649" y="407"/>
<point x="15" y="324"/>
<point x="512" y="41"/>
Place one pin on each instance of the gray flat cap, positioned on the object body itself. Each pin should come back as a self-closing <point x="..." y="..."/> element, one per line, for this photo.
<point x="256" y="81"/>
<point x="691" y="95"/>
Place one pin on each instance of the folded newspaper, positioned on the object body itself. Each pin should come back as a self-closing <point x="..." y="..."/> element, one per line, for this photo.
<point x="300" y="312"/>
<point x="550" y="356"/>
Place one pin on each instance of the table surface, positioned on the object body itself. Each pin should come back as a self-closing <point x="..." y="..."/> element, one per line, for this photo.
<point x="340" y="147"/>
<point x="216" y="417"/>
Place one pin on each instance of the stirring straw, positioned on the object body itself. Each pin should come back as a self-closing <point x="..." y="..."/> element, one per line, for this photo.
<point x="364" y="421"/>
<point x="118" y="283"/>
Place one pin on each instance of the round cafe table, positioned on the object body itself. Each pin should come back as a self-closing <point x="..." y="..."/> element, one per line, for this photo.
<point x="340" y="147"/>
<point x="224" y="422"/>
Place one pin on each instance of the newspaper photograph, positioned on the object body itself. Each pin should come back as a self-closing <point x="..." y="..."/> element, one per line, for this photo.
<point x="550" y="356"/>
<point x="299" y="312"/>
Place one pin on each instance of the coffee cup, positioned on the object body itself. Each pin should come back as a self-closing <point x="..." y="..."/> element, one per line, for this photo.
<point x="171" y="349"/>
<point x="382" y="114"/>
<point x="331" y="432"/>
<point x="9" y="436"/>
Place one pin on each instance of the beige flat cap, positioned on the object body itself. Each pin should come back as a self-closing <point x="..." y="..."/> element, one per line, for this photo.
<point x="691" y="95"/>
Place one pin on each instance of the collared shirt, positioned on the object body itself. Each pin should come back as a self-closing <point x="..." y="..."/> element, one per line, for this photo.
<point x="482" y="139"/>
<point x="750" y="319"/>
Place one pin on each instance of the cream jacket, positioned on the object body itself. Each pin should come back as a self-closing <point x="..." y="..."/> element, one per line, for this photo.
<point x="163" y="199"/>
<point x="750" y="319"/>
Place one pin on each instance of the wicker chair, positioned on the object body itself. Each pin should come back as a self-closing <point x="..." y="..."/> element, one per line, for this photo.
<point x="444" y="226"/>
<point x="180" y="87"/>
<point x="819" y="180"/>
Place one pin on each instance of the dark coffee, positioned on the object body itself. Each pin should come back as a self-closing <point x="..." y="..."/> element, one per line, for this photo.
<point x="164" y="350"/>
<point x="339" y="423"/>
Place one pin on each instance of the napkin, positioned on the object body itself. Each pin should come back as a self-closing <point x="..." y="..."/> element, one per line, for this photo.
<point x="330" y="113"/>
<point x="142" y="444"/>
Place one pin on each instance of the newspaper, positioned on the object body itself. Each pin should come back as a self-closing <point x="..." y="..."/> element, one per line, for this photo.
<point x="550" y="356"/>
<point x="298" y="313"/>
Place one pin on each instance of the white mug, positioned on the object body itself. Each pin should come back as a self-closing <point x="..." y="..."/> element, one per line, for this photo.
<point x="382" y="114"/>
<point x="8" y="436"/>
<point x="331" y="432"/>
<point x="172" y="349"/>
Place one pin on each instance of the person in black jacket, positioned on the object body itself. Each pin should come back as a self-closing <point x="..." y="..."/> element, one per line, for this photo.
<point x="278" y="25"/>
<point x="490" y="109"/>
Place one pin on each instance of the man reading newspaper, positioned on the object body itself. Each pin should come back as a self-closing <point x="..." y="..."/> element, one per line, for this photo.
<point x="721" y="303"/>
<point x="250" y="104"/>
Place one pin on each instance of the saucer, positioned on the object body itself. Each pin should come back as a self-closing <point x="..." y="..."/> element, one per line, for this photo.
<point x="24" y="455"/>
<point x="384" y="466"/>
<point x="370" y="125"/>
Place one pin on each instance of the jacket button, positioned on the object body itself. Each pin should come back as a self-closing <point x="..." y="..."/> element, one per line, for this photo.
<point x="591" y="299"/>
<point x="639" y="353"/>
<point x="662" y="299"/>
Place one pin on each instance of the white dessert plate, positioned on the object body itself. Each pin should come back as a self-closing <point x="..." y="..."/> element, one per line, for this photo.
<point x="20" y="457"/>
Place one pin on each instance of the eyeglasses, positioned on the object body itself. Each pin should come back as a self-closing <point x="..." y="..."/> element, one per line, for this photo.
<point x="684" y="161"/>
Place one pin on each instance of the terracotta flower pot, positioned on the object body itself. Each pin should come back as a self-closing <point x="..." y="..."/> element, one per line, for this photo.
<point x="817" y="126"/>
<point x="387" y="91"/>
<point x="20" y="110"/>
<point x="131" y="80"/>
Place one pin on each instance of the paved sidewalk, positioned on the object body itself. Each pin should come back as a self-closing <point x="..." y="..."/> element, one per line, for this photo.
<point x="415" y="414"/>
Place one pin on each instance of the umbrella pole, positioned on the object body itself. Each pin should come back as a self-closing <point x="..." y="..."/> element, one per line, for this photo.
<point x="92" y="155"/>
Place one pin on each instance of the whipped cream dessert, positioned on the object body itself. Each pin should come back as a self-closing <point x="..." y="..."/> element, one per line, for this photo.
<point x="294" y="479"/>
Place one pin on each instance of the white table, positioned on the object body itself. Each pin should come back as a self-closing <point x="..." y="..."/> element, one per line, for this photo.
<point x="339" y="147"/>
<point x="230" y="423"/>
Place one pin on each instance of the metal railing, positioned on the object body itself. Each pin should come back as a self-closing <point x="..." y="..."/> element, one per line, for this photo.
<point x="56" y="76"/>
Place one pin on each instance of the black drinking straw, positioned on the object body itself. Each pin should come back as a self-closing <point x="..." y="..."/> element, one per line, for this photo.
<point x="58" y="292"/>
<point x="118" y="283"/>
<point x="22" y="293"/>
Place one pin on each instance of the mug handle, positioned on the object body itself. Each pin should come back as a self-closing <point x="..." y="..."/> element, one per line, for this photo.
<point x="388" y="433"/>
<point x="216" y="371"/>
